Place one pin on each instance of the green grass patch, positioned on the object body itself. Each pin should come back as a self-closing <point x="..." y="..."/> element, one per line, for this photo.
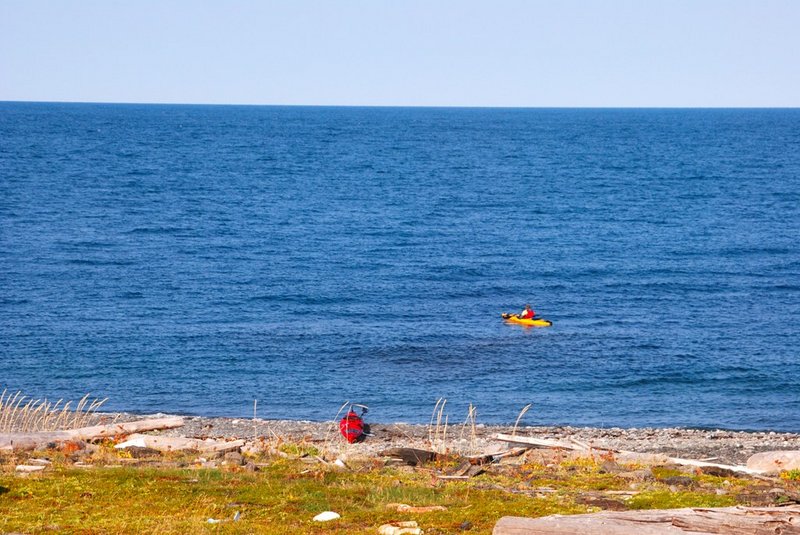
<point x="664" y="499"/>
<point x="287" y="493"/>
<point x="791" y="475"/>
<point x="300" y="450"/>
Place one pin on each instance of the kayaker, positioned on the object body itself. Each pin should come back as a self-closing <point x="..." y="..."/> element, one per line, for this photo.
<point x="528" y="313"/>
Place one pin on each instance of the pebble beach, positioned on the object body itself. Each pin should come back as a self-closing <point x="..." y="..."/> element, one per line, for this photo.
<point x="717" y="445"/>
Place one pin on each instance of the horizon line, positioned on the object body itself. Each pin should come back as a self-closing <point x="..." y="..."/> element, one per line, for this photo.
<point x="421" y="106"/>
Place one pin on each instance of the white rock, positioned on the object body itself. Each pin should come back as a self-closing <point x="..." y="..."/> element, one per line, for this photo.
<point x="775" y="461"/>
<point x="400" y="528"/>
<point x="137" y="442"/>
<point x="326" y="516"/>
<point x="28" y="468"/>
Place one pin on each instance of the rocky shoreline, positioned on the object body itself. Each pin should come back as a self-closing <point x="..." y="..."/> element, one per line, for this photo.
<point x="718" y="446"/>
<point x="558" y="470"/>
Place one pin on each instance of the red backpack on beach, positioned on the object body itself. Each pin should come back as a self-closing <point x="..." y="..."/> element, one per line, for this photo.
<point x="352" y="425"/>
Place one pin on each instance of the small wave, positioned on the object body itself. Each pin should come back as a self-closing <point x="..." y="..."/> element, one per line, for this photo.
<point x="659" y="380"/>
<point x="9" y="301"/>
<point x="86" y="244"/>
<point x="140" y="172"/>
<point x="92" y="262"/>
<point x="132" y="295"/>
<point x="646" y="347"/>
<point x="301" y="299"/>
<point x="784" y="287"/>
<point x="158" y="230"/>
<point x="755" y="251"/>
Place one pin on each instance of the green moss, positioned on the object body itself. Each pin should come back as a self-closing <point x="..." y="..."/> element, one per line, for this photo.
<point x="664" y="499"/>
<point x="300" y="450"/>
<point x="791" y="475"/>
<point x="660" y="472"/>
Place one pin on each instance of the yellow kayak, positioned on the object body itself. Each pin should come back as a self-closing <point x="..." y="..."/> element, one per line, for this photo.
<point x="535" y="322"/>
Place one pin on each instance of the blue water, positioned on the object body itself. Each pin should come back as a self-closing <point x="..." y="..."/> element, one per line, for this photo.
<point x="191" y="259"/>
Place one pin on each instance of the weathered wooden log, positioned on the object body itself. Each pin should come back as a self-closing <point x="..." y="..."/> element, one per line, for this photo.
<point x="21" y="441"/>
<point x="468" y="469"/>
<point x="545" y="443"/>
<point x="721" y="521"/>
<point x="485" y="458"/>
<point x="411" y="456"/>
<point x="180" y="443"/>
<point x="405" y="508"/>
<point x="541" y="442"/>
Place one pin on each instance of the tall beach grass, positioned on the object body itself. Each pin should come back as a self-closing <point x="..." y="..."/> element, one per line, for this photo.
<point x="22" y="414"/>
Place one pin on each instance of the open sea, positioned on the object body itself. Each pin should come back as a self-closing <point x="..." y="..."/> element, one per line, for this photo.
<point x="193" y="259"/>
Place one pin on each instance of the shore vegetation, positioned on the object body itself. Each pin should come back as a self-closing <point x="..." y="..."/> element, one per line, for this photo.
<point x="118" y="491"/>
<point x="442" y="478"/>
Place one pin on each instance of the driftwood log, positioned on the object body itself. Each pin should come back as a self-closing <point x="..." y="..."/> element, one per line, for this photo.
<point x="630" y="455"/>
<point x="411" y="456"/>
<point x="180" y="443"/>
<point x="694" y="521"/>
<point x="22" y="441"/>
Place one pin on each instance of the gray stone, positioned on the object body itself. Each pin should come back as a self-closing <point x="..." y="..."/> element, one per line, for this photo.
<point x="251" y="467"/>
<point x="679" y="481"/>
<point x="234" y="457"/>
<point x="139" y="452"/>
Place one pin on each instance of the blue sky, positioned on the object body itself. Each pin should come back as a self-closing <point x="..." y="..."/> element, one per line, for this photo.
<point x="392" y="52"/>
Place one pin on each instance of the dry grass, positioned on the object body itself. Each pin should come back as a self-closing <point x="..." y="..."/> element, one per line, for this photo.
<point x="467" y="439"/>
<point x="21" y="414"/>
<point x="469" y="424"/>
<point x="437" y="429"/>
<point x="519" y="417"/>
<point x="333" y="430"/>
